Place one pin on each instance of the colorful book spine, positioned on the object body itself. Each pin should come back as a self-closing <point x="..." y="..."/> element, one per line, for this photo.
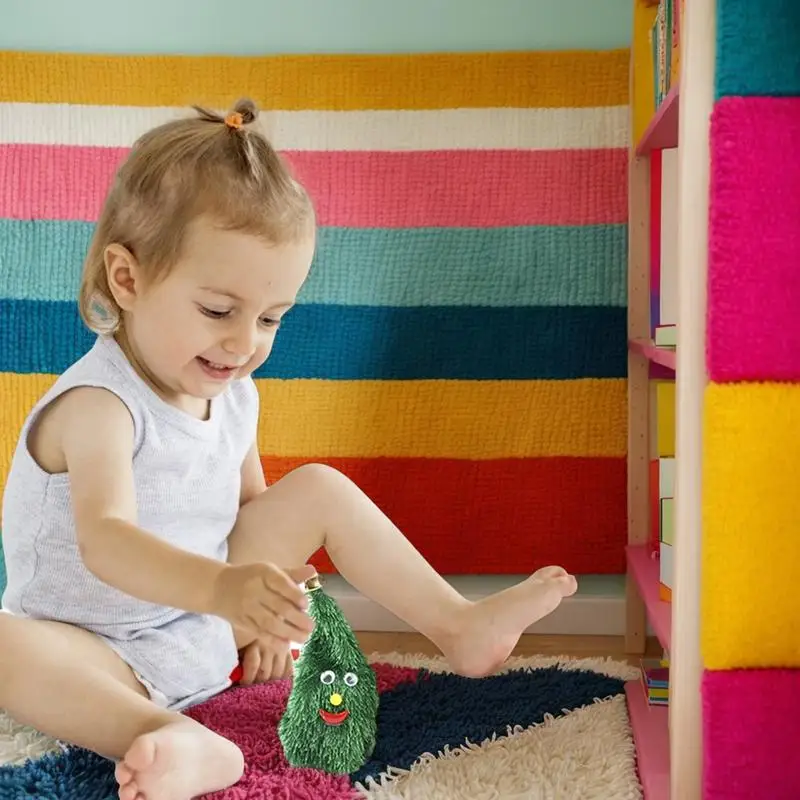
<point x="655" y="680"/>
<point x="665" y="44"/>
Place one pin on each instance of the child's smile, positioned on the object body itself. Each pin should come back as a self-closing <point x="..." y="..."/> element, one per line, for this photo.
<point x="216" y="371"/>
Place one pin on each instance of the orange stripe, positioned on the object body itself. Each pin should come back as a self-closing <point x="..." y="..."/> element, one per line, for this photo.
<point x="495" y="516"/>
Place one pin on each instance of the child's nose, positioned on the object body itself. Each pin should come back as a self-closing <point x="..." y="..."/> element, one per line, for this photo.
<point x="241" y="341"/>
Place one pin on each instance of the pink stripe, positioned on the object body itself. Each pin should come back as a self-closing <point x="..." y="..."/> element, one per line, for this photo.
<point x="751" y="734"/>
<point x="753" y="330"/>
<point x="362" y="189"/>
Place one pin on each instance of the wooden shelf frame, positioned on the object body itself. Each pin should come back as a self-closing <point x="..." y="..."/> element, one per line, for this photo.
<point x="662" y="132"/>
<point x="645" y="573"/>
<point x="669" y="741"/>
<point x="664" y="356"/>
<point x="651" y="727"/>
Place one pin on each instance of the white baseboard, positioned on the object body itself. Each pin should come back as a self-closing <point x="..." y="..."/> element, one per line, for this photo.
<point x="597" y="608"/>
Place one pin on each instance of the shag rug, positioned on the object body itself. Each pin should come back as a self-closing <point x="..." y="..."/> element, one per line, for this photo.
<point x="545" y="728"/>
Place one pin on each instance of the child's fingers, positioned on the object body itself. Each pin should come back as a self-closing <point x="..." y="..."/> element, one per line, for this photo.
<point x="300" y="621"/>
<point x="251" y="663"/>
<point x="267" y="671"/>
<point x="283" y="630"/>
<point x="284" y="583"/>
<point x="288" y="666"/>
<point x="273" y="603"/>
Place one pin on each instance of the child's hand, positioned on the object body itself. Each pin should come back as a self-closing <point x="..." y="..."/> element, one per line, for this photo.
<point x="266" y="660"/>
<point x="264" y="600"/>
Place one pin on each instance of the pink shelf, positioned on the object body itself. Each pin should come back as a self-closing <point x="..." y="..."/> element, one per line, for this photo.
<point x="662" y="132"/>
<point x="646" y="574"/>
<point x="650" y="726"/>
<point x="658" y="355"/>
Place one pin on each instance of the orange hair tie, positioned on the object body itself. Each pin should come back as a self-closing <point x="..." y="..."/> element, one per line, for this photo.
<point x="234" y="120"/>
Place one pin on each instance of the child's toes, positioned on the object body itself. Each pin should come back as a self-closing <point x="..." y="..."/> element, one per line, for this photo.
<point x="123" y="773"/>
<point x="129" y="791"/>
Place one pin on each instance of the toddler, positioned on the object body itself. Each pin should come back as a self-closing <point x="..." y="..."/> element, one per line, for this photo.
<point x="145" y="553"/>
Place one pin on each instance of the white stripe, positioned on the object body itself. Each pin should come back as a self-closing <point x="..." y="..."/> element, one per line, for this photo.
<point x="447" y="129"/>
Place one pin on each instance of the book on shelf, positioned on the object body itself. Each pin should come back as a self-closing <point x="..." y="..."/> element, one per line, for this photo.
<point x="662" y="486"/>
<point x="666" y="274"/>
<point x="666" y="553"/>
<point x="666" y="336"/>
<point x="655" y="680"/>
<point x="665" y="418"/>
<point x="666" y="526"/>
<point x="654" y="541"/>
<point x="661" y="483"/>
<point x="666" y="476"/>
<point x="665" y="201"/>
<point x="665" y="36"/>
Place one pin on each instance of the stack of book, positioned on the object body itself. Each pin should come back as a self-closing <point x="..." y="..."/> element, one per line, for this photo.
<point x="665" y="46"/>
<point x="655" y="680"/>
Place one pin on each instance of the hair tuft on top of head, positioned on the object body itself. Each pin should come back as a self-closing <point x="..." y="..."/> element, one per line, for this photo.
<point x="248" y="109"/>
<point x="244" y="111"/>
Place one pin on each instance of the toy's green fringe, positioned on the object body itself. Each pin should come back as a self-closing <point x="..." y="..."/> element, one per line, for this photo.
<point x="332" y="647"/>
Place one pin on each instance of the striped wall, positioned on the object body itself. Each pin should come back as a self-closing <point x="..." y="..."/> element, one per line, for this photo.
<point x="459" y="348"/>
<point x="751" y="526"/>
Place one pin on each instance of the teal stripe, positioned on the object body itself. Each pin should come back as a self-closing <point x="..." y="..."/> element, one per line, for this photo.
<point x="500" y="267"/>
<point x="352" y="343"/>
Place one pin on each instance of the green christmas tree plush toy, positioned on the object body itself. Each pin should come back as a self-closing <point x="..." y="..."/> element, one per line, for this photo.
<point x="330" y="721"/>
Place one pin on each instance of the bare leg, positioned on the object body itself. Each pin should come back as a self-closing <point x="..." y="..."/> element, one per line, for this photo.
<point x="67" y="683"/>
<point x="317" y="506"/>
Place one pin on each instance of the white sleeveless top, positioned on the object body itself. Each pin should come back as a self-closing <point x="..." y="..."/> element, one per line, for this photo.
<point x="187" y="475"/>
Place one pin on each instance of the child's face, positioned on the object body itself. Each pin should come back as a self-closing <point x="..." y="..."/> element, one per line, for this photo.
<point x="214" y="317"/>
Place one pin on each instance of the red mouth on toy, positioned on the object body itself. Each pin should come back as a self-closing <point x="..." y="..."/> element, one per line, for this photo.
<point x="331" y="718"/>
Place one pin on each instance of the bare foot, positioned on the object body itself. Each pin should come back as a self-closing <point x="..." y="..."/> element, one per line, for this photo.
<point x="489" y="629"/>
<point x="180" y="761"/>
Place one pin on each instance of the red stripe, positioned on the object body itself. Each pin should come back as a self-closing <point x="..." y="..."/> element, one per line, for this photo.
<point x="483" y="188"/>
<point x="507" y="516"/>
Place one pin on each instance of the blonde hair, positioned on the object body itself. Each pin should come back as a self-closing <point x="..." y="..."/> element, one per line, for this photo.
<point x="206" y="165"/>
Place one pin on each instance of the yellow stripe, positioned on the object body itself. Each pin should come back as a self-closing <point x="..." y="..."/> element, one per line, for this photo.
<point x="434" y="419"/>
<point x="443" y="419"/>
<point x="19" y="393"/>
<point x="751" y="508"/>
<point x="320" y="82"/>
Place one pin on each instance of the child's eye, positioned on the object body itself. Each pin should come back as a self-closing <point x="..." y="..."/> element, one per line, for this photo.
<point x="268" y="322"/>
<point x="214" y="313"/>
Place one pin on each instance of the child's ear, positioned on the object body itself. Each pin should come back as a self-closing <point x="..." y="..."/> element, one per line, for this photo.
<point x="123" y="275"/>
